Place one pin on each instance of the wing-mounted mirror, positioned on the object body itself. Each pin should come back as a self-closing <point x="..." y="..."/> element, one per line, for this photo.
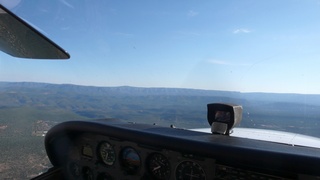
<point x="19" y="39"/>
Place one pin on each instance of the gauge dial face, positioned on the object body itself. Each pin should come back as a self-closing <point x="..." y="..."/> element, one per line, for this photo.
<point x="190" y="170"/>
<point x="107" y="153"/>
<point x="130" y="160"/>
<point x="159" y="166"/>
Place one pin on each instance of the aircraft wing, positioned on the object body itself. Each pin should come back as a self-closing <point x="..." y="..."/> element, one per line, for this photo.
<point x="288" y="138"/>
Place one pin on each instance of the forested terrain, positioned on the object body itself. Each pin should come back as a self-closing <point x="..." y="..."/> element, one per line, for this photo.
<point x="28" y="110"/>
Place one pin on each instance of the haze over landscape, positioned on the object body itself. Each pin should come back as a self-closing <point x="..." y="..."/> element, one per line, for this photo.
<point x="28" y="110"/>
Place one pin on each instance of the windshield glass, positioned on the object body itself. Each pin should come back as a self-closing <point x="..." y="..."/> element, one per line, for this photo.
<point x="159" y="62"/>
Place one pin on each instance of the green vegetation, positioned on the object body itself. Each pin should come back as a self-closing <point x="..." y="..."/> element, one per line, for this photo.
<point x="22" y="154"/>
<point x="29" y="107"/>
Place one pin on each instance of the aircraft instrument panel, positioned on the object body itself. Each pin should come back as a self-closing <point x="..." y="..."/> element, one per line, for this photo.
<point x="108" y="149"/>
<point x="101" y="157"/>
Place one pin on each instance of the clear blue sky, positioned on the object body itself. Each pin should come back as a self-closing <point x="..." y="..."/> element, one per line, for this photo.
<point x="236" y="45"/>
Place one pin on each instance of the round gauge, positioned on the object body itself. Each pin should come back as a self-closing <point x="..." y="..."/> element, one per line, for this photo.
<point x="107" y="153"/>
<point x="190" y="170"/>
<point x="159" y="166"/>
<point x="130" y="160"/>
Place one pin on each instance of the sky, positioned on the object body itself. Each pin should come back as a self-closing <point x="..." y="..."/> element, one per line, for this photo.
<point x="233" y="45"/>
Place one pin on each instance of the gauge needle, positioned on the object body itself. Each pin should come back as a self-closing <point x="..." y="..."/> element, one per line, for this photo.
<point x="160" y="162"/>
<point x="156" y="168"/>
<point x="192" y="175"/>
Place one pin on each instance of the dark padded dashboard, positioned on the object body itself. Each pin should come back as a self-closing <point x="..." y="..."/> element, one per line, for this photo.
<point x="112" y="149"/>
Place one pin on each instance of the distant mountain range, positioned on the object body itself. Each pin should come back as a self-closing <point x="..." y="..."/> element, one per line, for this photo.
<point x="140" y="91"/>
<point x="120" y="90"/>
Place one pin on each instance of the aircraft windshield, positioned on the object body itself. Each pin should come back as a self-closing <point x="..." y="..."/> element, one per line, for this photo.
<point x="160" y="62"/>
